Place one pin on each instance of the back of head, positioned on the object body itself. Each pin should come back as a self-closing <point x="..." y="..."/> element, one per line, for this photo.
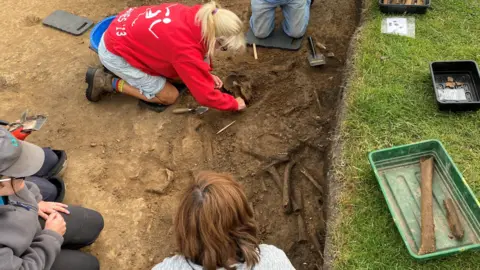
<point x="215" y="223"/>
<point x="222" y="24"/>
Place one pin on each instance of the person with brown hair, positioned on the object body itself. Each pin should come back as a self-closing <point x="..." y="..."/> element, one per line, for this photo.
<point x="215" y="229"/>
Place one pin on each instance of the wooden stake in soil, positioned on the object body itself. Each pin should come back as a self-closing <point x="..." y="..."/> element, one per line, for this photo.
<point x="227" y="126"/>
<point x="321" y="46"/>
<point x="286" y="202"/>
<point x="452" y="217"/>
<point x="428" y="226"/>
<point x="255" y="51"/>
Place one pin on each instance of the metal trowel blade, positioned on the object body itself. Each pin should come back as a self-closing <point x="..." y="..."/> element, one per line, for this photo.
<point x="319" y="60"/>
<point x="201" y="110"/>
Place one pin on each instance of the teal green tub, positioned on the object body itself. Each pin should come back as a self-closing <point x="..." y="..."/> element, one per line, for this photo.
<point x="397" y="170"/>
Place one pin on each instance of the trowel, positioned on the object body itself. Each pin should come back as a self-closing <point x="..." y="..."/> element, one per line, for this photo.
<point x="198" y="110"/>
<point x="315" y="59"/>
<point x="27" y="123"/>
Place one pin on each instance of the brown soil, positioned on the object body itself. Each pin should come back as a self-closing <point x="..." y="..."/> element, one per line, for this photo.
<point x="131" y="164"/>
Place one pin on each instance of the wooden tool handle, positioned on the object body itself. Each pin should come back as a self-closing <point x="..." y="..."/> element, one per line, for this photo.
<point x="312" y="46"/>
<point x="183" y="110"/>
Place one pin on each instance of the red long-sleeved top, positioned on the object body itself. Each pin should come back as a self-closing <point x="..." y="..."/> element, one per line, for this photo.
<point x="164" y="40"/>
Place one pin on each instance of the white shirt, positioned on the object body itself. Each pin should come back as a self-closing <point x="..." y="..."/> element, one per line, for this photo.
<point x="270" y="258"/>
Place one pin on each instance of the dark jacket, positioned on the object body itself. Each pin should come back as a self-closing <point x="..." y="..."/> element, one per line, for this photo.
<point x="23" y="243"/>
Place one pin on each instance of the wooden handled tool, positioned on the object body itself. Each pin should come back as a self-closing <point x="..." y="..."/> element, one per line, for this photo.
<point x="313" y="58"/>
<point x="198" y="110"/>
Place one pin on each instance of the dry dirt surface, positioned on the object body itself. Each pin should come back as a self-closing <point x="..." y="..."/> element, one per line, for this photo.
<point x="131" y="164"/>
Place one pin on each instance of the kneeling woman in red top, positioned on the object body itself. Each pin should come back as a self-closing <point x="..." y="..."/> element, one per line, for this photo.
<point x="149" y="47"/>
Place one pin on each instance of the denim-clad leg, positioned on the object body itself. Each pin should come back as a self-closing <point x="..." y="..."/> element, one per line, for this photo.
<point x="262" y="21"/>
<point x="296" y="14"/>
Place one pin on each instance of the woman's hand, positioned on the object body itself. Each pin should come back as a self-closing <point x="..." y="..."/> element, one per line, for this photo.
<point x="241" y="103"/>
<point x="218" y="82"/>
<point x="56" y="223"/>
<point x="46" y="209"/>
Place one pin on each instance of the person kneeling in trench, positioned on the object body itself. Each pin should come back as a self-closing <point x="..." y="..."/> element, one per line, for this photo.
<point x="215" y="228"/>
<point x="35" y="234"/>
<point x="150" y="47"/>
<point x="296" y="14"/>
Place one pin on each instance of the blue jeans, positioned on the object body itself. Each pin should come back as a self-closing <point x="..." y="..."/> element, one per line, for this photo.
<point x="296" y="14"/>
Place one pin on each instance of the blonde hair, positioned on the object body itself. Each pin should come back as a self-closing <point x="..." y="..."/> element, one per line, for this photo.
<point x="222" y="24"/>
<point x="215" y="223"/>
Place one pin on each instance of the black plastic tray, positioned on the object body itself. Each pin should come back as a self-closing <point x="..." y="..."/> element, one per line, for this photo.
<point x="466" y="72"/>
<point x="396" y="8"/>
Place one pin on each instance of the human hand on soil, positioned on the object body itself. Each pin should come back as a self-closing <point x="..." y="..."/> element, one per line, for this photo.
<point x="241" y="103"/>
<point x="56" y="223"/>
<point x="218" y="82"/>
<point x="47" y="208"/>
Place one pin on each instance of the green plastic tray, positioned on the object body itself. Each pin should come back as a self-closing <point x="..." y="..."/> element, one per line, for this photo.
<point x="397" y="170"/>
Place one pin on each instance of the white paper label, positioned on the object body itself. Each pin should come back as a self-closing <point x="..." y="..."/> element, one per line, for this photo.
<point x="397" y="26"/>
<point x="452" y="94"/>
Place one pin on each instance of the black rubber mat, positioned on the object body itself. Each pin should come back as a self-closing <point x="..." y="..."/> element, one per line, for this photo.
<point x="68" y="22"/>
<point x="278" y="39"/>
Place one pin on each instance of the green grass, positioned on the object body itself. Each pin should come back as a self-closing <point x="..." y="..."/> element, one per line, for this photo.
<point x="391" y="102"/>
